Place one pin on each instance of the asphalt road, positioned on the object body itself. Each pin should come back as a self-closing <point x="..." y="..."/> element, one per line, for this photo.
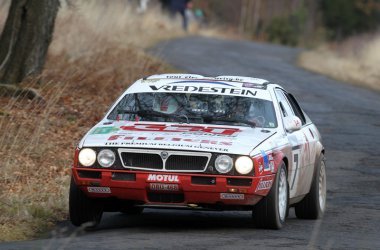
<point x="348" y="118"/>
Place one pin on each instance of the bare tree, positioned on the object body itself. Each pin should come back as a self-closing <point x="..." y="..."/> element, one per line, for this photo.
<point x="25" y="38"/>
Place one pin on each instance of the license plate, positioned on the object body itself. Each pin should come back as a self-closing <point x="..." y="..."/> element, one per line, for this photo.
<point x="163" y="187"/>
<point x="100" y="190"/>
<point x="229" y="196"/>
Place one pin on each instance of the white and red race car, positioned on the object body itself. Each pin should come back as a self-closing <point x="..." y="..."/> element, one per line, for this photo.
<point x="189" y="141"/>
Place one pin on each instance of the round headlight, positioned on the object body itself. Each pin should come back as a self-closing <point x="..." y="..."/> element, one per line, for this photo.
<point x="223" y="164"/>
<point x="87" y="157"/>
<point x="244" y="165"/>
<point x="106" y="158"/>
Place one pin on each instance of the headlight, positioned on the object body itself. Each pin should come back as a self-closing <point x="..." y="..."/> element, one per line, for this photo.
<point x="223" y="164"/>
<point x="87" y="157"/>
<point x="244" y="165"/>
<point x="106" y="158"/>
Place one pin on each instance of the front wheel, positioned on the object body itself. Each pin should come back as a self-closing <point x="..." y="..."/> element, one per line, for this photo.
<point x="271" y="211"/>
<point x="82" y="209"/>
<point x="314" y="204"/>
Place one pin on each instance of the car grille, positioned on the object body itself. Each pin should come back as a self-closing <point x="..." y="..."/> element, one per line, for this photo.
<point x="186" y="162"/>
<point x="141" y="160"/>
<point x="178" y="161"/>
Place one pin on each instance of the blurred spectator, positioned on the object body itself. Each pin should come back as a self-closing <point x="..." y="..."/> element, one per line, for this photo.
<point x="180" y="6"/>
<point x="199" y="16"/>
<point x="142" y="6"/>
<point x="165" y="5"/>
<point x="190" y="13"/>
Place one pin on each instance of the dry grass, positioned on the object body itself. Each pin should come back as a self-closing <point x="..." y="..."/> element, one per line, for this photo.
<point x="356" y="61"/>
<point x="95" y="54"/>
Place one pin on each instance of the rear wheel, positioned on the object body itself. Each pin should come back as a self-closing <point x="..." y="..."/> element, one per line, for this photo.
<point x="82" y="209"/>
<point x="271" y="211"/>
<point x="314" y="204"/>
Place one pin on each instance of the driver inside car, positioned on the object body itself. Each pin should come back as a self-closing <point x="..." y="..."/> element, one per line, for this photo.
<point x="165" y="103"/>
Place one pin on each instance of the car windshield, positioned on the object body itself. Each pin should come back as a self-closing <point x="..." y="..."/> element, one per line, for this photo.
<point x="195" y="108"/>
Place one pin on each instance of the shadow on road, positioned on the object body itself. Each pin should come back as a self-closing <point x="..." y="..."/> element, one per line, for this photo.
<point x="167" y="220"/>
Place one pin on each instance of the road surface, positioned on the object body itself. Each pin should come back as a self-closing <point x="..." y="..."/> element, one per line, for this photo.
<point x="349" y="120"/>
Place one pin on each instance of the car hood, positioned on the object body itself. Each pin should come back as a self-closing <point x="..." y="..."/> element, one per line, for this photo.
<point x="194" y="137"/>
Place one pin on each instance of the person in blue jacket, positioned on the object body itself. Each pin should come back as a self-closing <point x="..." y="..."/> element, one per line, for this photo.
<point x="179" y="6"/>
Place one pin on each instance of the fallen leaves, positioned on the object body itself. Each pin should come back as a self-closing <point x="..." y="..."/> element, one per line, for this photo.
<point x="87" y="68"/>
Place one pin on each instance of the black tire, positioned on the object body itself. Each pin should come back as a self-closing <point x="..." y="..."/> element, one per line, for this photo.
<point x="312" y="207"/>
<point x="266" y="213"/>
<point x="83" y="209"/>
<point x="131" y="210"/>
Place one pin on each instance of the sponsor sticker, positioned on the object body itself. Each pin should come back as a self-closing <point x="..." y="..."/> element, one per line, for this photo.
<point x="265" y="161"/>
<point x="222" y="131"/>
<point x="150" y="80"/>
<point x="268" y="161"/>
<point x="229" y="196"/>
<point x="104" y="130"/>
<point x="100" y="190"/>
<point x="163" y="177"/>
<point x="161" y="139"/>
<point x="250" y="85"/>
<point x="163" y="187"/>
<point x="271" y="162"/>
<point x="196" y="89"/>
<point x="264" y="185"/>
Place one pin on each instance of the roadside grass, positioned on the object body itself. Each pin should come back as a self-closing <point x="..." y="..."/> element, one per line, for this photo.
<point x="97" y="51"/>
<point x="355" y="60"/>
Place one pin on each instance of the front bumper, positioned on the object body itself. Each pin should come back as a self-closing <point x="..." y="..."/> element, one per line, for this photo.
<point x="184" y="189"/>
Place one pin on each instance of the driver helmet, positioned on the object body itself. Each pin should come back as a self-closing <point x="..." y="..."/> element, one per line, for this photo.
<point x="165" y="104"/>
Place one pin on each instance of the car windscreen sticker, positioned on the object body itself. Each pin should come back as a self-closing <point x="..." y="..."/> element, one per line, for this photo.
<point x="203" y="90"/>
<point x="251" y="85"/>
<point x="207" y="87"/>
<point x="210" y="82"/>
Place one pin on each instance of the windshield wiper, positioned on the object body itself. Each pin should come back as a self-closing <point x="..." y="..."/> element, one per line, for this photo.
<point x="144" y="113"/>
<point x="226" y="119"/>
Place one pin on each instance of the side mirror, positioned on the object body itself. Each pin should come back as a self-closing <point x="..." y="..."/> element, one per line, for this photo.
<point x="292" y="123"/>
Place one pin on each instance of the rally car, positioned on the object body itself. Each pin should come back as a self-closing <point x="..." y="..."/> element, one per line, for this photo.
<point x="189" y="141"/>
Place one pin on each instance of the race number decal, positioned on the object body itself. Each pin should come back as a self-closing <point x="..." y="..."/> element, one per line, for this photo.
<point x="296" y="157"/>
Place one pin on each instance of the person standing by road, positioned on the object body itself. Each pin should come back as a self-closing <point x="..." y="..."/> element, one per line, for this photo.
<point x="143" y="5"/>
<point x="179" y="6"/>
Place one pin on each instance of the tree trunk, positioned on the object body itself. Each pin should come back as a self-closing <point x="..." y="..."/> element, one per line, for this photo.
<point x="256" y="18"/>
<point x="243" y="16"/>
<point x="25" y="39"/>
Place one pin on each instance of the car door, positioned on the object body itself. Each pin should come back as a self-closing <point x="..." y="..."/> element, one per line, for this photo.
<point x="297" y="165"/>
<point x="311" y="136"/>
